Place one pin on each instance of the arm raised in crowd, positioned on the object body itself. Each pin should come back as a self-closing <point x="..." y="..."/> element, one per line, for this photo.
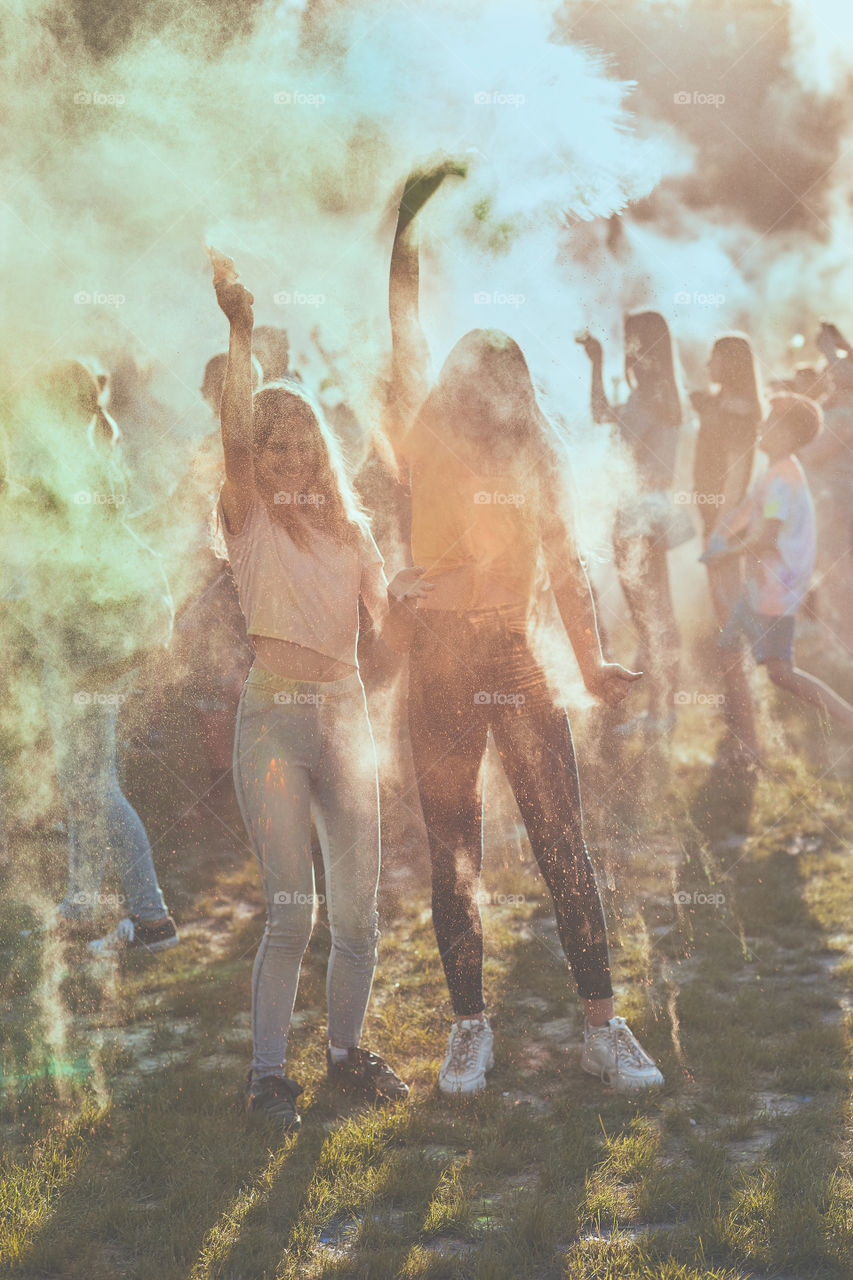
<point x="235" y="409"/>
<point x="409" y="349"/>
<point x="600" y="407"/>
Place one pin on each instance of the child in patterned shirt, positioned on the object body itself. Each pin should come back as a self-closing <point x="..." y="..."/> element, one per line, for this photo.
<point x="774" y="528"/>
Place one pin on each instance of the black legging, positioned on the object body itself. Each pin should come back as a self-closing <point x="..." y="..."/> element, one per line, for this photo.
<point x="470" y="672"/>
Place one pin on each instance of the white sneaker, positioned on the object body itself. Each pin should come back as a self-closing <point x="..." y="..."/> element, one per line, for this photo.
<point x="131" y="934"/>
<point x="469" y="1056"/>
<point x="613" y="1054"/>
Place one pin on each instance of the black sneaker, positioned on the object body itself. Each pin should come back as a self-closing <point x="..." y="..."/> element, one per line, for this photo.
<point x="367" y="1075"/>
<point x="272" y="1098"/>
<point x="131" y="934"/>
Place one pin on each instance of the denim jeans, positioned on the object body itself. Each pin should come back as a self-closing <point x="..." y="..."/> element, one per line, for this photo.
<point x="304" y="747"/>
<point x="102" y="823"/>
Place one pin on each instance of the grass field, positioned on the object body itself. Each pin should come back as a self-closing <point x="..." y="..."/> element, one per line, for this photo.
<point x="126" y="1152"/>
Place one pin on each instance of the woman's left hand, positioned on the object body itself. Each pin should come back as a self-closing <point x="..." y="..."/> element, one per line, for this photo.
<point x="611" y="682"/>
<point x="407" y="584"/>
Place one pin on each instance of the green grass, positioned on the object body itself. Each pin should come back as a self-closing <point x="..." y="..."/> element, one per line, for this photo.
<point x="126" y="1151"/>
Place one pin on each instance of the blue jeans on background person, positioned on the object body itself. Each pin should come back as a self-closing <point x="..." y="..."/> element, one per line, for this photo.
<point x="103" y="826"/>
<point x="303" y="747"/>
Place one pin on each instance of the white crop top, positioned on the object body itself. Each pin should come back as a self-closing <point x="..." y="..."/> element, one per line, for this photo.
<point x="305" y="595"/>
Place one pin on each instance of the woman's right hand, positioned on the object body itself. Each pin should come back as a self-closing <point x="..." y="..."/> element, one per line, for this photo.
<point x="408" y="584"/>
<point x="421" y="184"/>
<point x="236" y="302"/>
<point x="591" y="346"/>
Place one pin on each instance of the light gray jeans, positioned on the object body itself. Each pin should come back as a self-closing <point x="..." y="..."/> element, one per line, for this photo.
<point x="303" y="747"/>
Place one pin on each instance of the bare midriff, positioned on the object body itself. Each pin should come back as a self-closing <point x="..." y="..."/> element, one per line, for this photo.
<point x="295" y="662"/>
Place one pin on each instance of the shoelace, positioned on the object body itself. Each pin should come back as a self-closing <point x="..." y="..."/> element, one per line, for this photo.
<point x="369" y="1064"/>
<point x="464" y="1045"/>
<point x="627" y="1043"/>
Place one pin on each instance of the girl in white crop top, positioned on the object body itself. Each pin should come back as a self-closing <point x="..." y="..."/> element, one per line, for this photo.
<point x="303" y="556"/>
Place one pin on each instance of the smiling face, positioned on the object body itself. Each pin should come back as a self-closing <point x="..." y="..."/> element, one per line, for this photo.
<point x="288" y="449"/>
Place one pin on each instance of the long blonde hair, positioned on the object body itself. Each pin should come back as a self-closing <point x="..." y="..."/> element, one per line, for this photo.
<point x="343" y="517"/>
<point x="494" y="362"/>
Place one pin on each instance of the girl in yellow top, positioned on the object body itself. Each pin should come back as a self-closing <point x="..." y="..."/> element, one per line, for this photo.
<point x="485" y="471"/>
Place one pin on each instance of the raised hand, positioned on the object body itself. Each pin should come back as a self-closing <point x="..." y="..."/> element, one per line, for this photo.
<point x="224" y="271"/>
<point x="591" y="346"/>
<point x="421" y="184"/>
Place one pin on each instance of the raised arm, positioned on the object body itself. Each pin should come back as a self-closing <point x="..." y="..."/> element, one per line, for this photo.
<point x="409" y="349"/>
<point x="235" y="409"/>
<point x="600" y="407"/>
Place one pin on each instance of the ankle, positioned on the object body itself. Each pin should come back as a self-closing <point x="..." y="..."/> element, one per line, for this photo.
<point x="338" y="1054"/>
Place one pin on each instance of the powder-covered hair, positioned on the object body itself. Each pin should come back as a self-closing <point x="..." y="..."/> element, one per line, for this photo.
<point x="340" y="514"/>
<point x="650" y="365"/>
<point x="800" y="414"/>
<point x="738" y="375"/>
<point x="494" y="362"/>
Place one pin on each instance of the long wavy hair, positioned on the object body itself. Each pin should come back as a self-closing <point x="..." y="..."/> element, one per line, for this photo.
<point x="492" y="364"/>
<point x="340" y="514"/>
<point x="738" y="374"/>
<point x="650" y="365"/>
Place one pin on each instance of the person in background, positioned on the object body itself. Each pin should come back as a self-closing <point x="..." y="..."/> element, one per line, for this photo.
<point x="773" y="531"/>
<point x="729" y="419"/>
<point x="98" y="605"/>
<point x="828" y="463"/>
<point x="648" y="524"/>
<point x="271" y="348"/>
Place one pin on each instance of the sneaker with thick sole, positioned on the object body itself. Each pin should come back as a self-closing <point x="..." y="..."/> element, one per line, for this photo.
<point x="613" y="1053"/>
<point x="470" y="1054"/>
<point x="367" y="1075"/>
<point x="131" y="934"/>
<point x="273" y="1099"/>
